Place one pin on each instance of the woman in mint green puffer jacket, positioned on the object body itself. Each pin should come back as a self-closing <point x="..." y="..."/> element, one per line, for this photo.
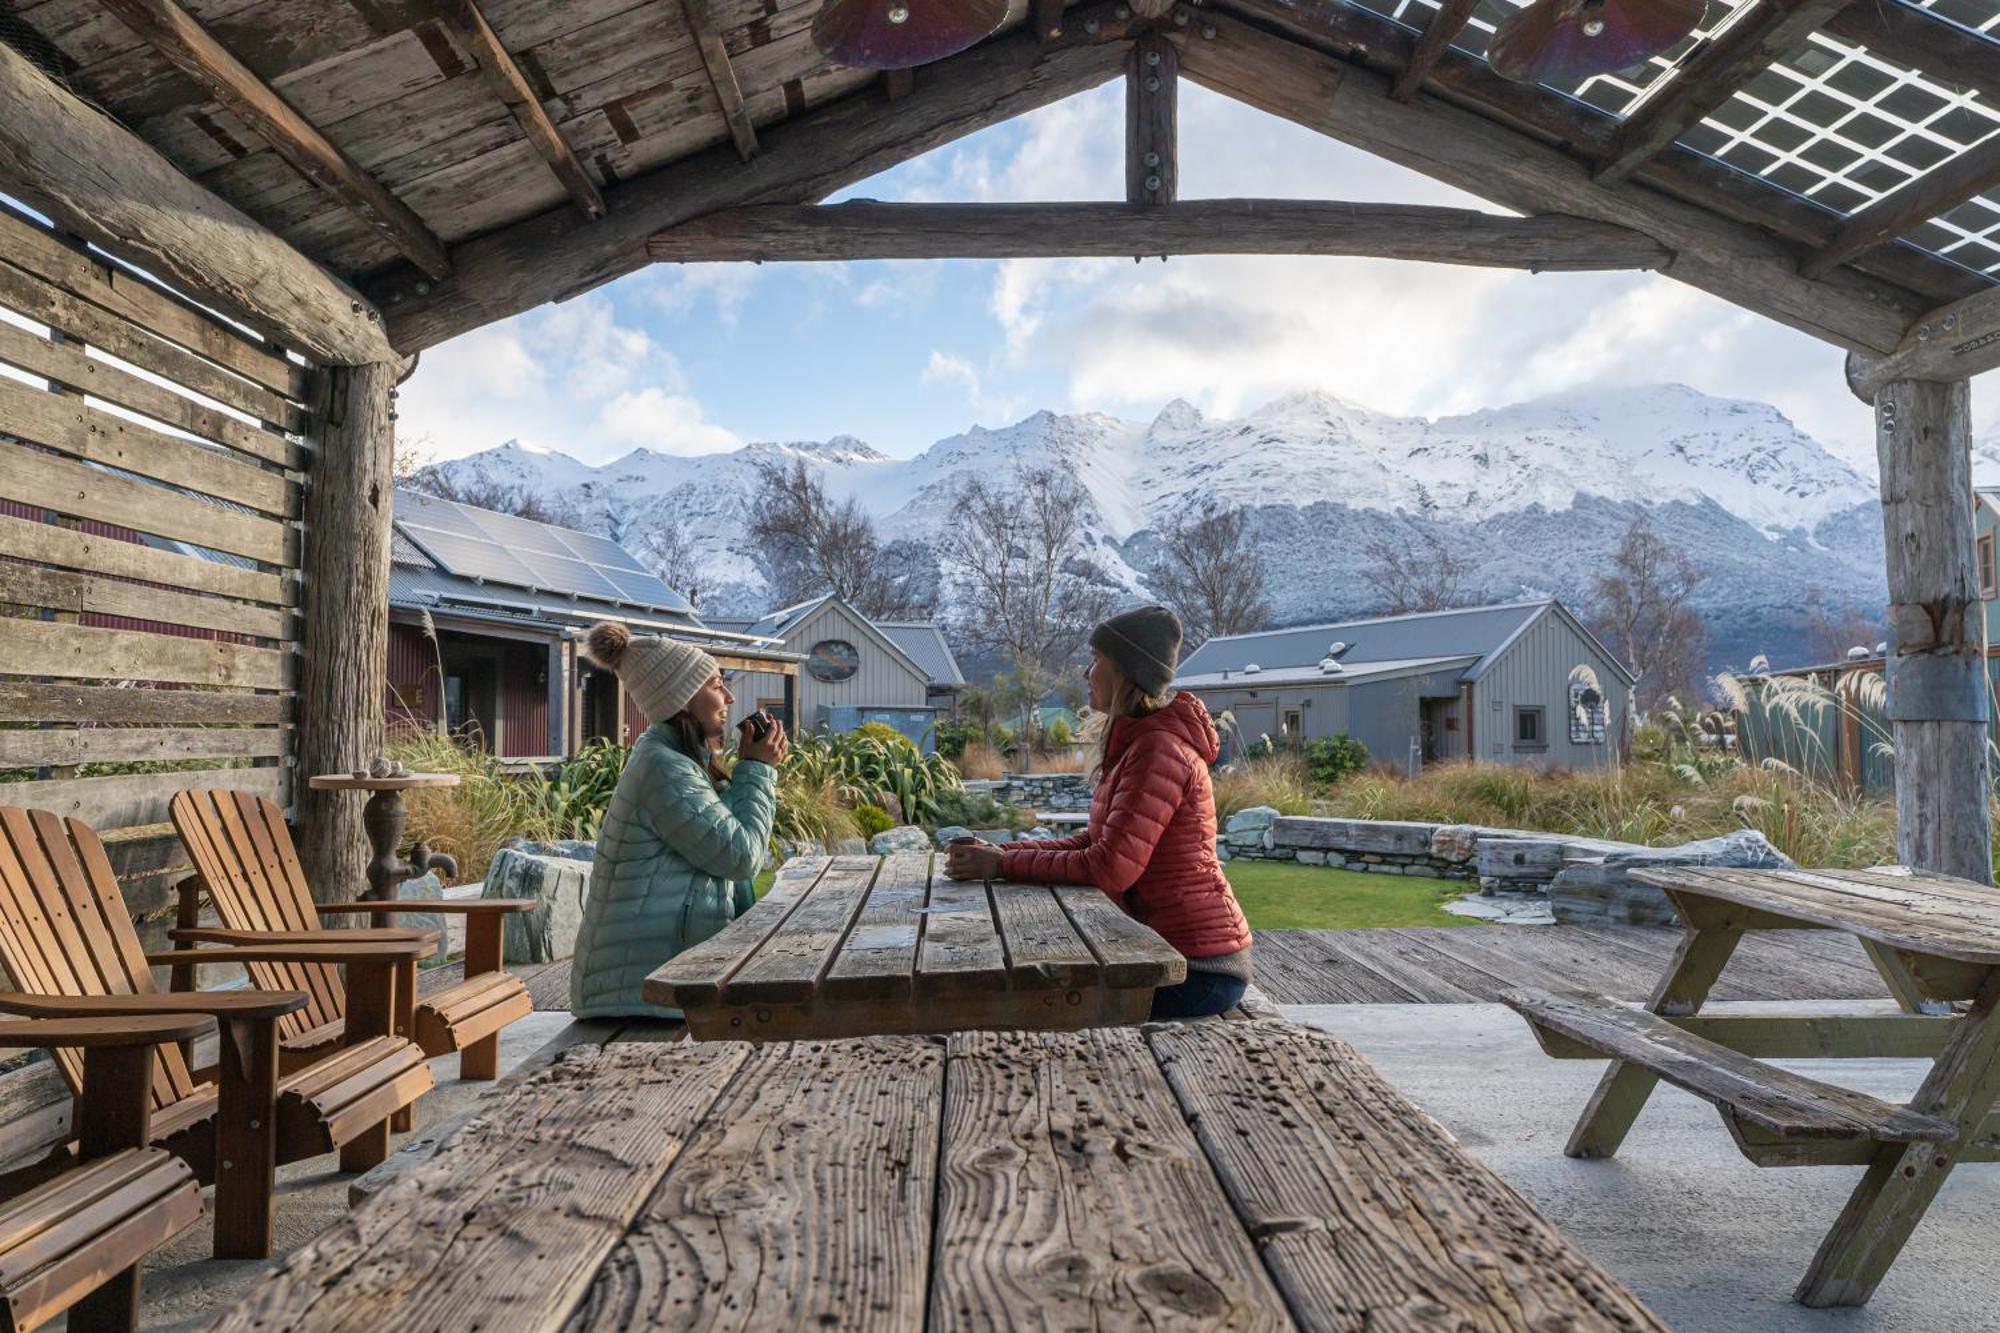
<point x="680" y="843"/>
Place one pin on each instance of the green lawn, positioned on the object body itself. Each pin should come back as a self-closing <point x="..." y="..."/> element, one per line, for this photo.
<point x="1277" y="895"/>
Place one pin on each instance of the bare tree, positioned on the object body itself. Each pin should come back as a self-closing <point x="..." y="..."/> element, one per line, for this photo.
<point x="665" y="549"/>
<point x="1210" y="574"/>
<point x="1832" y="631"/>
<point x="806" y="544"/>
<point x="1422" y="574"/>
<point x="1016" y="555"/>
<point x="1642" y="608"/>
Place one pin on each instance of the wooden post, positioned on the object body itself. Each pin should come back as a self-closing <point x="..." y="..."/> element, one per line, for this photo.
<point x="1152" y="175"/>
<point x="1936" y="666"/>
<point x="558" y="694"/>
<point x="345" y="651"/>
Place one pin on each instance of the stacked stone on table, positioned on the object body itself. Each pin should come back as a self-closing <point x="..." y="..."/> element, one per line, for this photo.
<point x="557" y="877"/>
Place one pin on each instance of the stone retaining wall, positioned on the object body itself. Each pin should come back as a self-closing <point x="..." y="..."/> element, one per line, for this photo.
<point x="1587" y="879"/>
<point x="1065" y="793"/>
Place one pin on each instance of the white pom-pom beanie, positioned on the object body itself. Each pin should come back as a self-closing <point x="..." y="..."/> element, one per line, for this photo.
<point x="662" y="674"/>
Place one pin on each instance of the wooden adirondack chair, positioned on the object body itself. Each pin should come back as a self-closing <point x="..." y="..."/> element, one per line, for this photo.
<point x="76" y="1240"/>
<point x="246" y="862"/>
<point x="66" y="938"/>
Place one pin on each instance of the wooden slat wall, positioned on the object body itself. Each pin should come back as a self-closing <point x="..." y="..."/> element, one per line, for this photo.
<point x="151" y="462"/>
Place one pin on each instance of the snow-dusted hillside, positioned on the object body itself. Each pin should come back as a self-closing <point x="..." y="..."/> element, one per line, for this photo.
<point x="1537" y="494"/>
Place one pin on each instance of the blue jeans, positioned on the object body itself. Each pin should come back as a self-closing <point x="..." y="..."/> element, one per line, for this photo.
<point x="1202" y="995"/>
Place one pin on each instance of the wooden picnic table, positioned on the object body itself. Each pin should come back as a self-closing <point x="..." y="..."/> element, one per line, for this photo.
<point x="1936" y="941"/>
<point x="856" y="946"/>
<point x="1242" y="1175"/>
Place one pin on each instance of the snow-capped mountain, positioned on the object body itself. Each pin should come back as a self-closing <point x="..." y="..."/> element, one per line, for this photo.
<point x="1536" y="496"/>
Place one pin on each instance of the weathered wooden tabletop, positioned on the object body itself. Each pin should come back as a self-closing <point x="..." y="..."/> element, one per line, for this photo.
<point x="1242" y="1175"/>
<point x="858" y="946"/>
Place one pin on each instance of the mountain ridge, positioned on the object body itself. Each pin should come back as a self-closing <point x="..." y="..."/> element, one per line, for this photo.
<point x="1535" y="495"/>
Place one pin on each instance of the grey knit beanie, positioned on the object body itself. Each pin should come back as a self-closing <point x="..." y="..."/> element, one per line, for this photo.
<point x="663" y="674"/>
<point x="1144" y="644"/>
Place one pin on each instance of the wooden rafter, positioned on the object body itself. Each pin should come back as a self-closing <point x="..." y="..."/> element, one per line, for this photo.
<point x="721" y="75"/>
<point x="868" y="230"/>
<point x="1710" y="74"/>
<point x="174" y="32"/>
<point x="1447" y="23"/>
<point x="1152" y="166"/>
<point x="511" y="85"/>
<point x="1738" y="263"/>
<point x="102" y="182"/>
<point x="1938" y="190"/>
<point x="1047" y="16"/>
<point x="554" y="255"/>
<point x="1917" y="38"/>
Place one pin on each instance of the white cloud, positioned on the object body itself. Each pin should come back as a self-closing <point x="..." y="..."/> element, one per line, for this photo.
<point x="571" y="376"/>
<point x="945" y="368"/>
<point x="683" y="289"/>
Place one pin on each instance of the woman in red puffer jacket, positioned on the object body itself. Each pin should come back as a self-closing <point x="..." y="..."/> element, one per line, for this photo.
<point x="1150" y="843"/>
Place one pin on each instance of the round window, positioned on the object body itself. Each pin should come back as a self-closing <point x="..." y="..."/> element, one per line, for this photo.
<point x="833" y="660"/>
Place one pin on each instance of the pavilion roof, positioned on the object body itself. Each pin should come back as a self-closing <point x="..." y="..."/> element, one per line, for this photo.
<point x="496" y="154"/>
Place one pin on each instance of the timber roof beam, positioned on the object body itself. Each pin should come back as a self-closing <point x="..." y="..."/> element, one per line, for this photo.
<point x="721" y="75"/>
<point x="175" y="34"/>
<point x="1447" y="23"/>
<point x="1937" y="191"/>
<point x="1915" y="37"/>
<point x="864" y="229"/>
<point x="511" y="85"/>
<point x="1710" y="74"/>
<point x="1152" y="129"/>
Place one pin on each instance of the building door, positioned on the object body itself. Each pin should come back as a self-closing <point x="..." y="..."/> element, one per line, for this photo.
<point x="599" y="713"/>
<point x="471" y="696"/>
<point x="1430" y="721"/>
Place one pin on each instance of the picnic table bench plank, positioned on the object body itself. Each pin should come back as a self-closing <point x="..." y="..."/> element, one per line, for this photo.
<point x="1071" y="1187"/>
<point x="1129" y="953"/>
<point x="1369" y="1214"/>
<point x="962" y="953"/>
<point x="507" y="1228"/>
<point x="1042" y="946"/>
<point x="788" y="1209"/>
<point x="695" y="976"/>
<point x="879" y="959"/>
<point x="787" y="966"/>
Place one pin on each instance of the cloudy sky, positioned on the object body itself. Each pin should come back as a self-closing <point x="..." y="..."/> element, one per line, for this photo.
<point x="691" y="359"/>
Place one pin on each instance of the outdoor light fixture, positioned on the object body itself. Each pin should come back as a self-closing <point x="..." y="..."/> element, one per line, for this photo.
<point x="902" y="34"/>
<point x="1567" y="41"/>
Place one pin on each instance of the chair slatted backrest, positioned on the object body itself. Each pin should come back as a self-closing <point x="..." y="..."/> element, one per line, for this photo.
<point x="64" y="930"/>
<point x="239" y="843"/>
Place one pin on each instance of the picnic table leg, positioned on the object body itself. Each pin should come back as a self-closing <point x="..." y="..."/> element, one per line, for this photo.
<point x="1622" y="1092"/>
<point x="1899" y="981"/>
<point x="1903" y="1179"/>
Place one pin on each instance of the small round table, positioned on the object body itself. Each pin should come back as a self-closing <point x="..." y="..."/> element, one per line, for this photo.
<point x="384" y="817"/>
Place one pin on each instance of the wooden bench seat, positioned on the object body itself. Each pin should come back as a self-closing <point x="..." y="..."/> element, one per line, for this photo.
<point x="1781" y="1104"/>
<point x="59" y="1239"/>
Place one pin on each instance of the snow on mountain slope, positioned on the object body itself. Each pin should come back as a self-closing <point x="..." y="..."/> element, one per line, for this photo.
<point x="1746" y="487"/>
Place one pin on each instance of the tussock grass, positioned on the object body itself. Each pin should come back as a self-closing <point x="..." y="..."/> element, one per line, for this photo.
<point x="1278" y="780"/>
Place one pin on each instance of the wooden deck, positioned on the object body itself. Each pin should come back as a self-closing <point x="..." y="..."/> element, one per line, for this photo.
<point x="1474" y="965"/>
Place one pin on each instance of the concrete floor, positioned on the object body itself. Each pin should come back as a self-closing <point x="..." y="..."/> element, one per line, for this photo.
<point x="1710" y="1242"/>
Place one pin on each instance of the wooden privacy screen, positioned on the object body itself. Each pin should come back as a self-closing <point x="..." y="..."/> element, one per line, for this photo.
<point x="150" y="465"/>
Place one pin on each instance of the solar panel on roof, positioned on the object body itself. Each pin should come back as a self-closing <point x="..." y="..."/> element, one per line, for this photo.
<point x="432" y="512"/>
<point x="520" y="534"/>
<point x="563" y="574"/>
<point x="472" y="558"/>
<point x="639" y="586"/>
<point x="599" y="550"/>
<point x="506" y="548"/>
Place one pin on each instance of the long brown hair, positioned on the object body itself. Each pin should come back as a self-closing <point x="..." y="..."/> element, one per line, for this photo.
<point x="1127" y="700"/>
<point x="685" y="734"/>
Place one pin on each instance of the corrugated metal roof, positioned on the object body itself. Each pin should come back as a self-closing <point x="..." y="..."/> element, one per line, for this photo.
<point x="1472" y="631"/>
<point x="1312" y="675"/>
<point x="925" y="644"/>
<point x="432" y="588"/>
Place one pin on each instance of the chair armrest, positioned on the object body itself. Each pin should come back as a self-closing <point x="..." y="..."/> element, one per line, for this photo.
<point x="360" y="935"/>
<point x="307" y="951"/>
<point x="438" y="906"/>
<point x="221" y="1004"/>
<point x="128" y="1030"/>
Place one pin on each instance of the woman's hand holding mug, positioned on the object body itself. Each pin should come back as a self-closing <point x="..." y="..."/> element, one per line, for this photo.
<point x="971" y="858"/>
<point x="763" y="739"/>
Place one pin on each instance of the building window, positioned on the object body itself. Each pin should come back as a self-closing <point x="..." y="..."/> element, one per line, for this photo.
<point x="1531" y="729"/>
<point x="1989" y="583"/>
<point x="1588" y="712"/>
